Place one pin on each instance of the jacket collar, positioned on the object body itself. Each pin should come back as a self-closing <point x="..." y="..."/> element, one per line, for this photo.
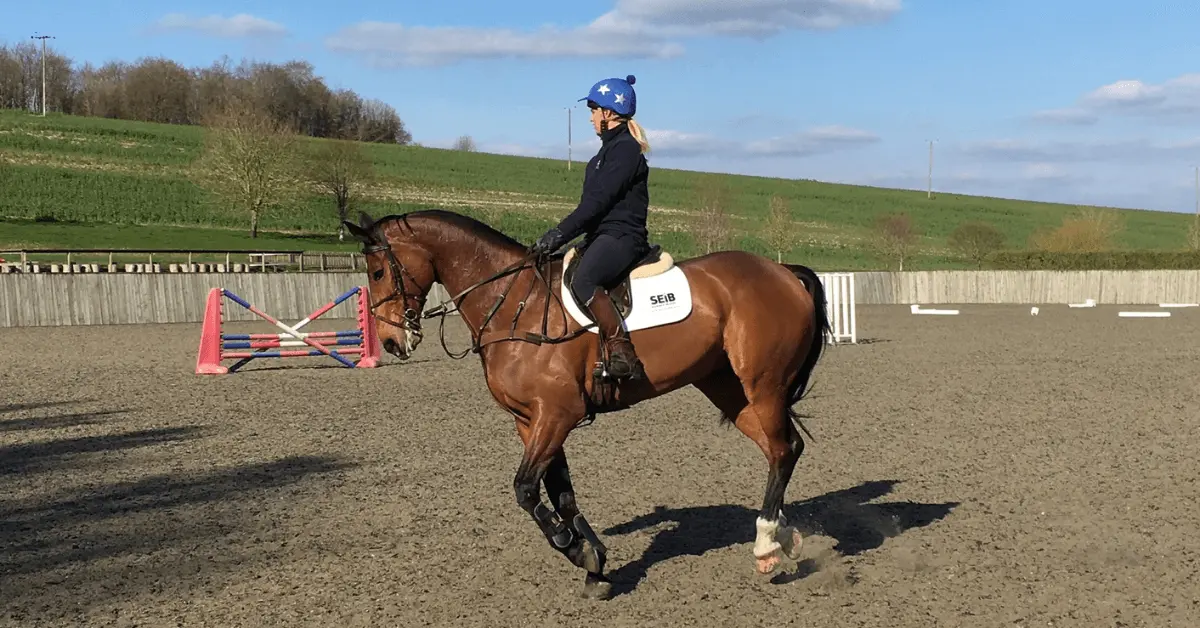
<point x="613" y="133"/>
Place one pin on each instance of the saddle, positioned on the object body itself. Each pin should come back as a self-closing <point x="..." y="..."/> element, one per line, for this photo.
<point x="655" y="262"/>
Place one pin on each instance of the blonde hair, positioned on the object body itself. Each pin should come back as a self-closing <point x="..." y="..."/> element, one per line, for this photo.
<point x="638" y="134"/>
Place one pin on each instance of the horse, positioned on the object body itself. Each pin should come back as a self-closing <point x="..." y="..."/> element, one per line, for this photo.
<point x="743" y="329"/>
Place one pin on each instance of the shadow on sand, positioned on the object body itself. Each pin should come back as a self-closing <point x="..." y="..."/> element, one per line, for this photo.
<point x="41" y="456"/>
<point x="84" y="523"/>
<point x="55" y="421"/>
<point x="844" y="515"/>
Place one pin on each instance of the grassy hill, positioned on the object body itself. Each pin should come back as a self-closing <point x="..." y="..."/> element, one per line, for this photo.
<point x="92" y="182"/>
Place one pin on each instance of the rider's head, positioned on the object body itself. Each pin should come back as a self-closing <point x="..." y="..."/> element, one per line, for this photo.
<point x="613" y="102"/>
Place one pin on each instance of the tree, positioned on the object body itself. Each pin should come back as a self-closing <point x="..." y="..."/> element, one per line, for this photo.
<point x="779" y="233"/>
<point x="162" y="90"/>
<point x="465" y="143"/>
<point x="1194" y="234"/>
<point x="340" y="168"/>
<point x="713" y="224"/>
<point x="247" y="161"/>
<point x="1088" y="230"/>
<point x="894" y="237"/>
<point x="975" y="240"/>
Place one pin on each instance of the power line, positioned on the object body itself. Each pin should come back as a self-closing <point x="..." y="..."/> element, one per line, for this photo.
<point x="43" y="38"/>
<point x="929" y="177"/>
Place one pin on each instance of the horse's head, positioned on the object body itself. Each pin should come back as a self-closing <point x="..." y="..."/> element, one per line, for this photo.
<point x="399" y="275"/>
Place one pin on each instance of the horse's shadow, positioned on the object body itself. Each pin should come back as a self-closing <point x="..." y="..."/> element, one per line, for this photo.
<point x="844" y="515"/>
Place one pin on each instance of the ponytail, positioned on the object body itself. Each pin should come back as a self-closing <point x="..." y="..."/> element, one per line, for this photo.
<point x="638" y="134"/>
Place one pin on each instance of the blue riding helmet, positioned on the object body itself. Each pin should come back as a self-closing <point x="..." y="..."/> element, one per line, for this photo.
<point x="616" y="94"/>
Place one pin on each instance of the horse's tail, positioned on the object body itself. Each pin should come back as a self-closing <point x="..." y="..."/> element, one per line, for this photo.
<point x="799" y="386"/>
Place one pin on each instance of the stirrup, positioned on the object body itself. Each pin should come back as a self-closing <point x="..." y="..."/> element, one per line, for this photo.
<point x="636" y="370"/>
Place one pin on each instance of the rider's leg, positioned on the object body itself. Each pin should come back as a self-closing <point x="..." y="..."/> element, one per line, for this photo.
<point x="602" y="264"/>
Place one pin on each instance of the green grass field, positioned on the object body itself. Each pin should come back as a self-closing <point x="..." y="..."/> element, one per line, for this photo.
<point x="70" y="181"/>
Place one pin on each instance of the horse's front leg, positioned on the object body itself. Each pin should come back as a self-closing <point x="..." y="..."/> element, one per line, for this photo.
<point x="587" y="552"/>
<point x="543" y="439"/>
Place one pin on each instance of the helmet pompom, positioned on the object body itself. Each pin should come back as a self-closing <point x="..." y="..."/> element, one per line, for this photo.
<point x="631" y="79"/>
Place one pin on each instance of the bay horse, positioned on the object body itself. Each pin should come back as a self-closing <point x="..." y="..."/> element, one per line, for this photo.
<point x="748" y="337"/>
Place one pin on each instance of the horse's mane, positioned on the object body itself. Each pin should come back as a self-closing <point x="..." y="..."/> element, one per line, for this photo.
<point x="466" y="223"/>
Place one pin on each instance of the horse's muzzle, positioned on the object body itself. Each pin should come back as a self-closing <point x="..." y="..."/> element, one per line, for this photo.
<point x="402" y="350"/>
<point x="395" y="348"/>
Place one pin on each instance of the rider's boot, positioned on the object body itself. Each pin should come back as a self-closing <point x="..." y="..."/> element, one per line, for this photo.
<point x="623" y="362"/>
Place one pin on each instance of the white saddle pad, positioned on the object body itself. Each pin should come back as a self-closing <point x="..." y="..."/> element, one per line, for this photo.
<point x="659" y="300"/>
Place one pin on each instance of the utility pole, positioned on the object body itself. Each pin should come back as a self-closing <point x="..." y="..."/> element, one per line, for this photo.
<point x="43" y="38"/>
<point x="1198" y="191"/>
<point x="568" y="138"/>
<point x="929" y="177"/>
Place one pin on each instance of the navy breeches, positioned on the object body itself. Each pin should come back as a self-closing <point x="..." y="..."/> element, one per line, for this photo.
<point x="604" y="262"/>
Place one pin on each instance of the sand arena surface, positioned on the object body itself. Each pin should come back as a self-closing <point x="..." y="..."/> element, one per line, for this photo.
<point x="989" y="469"/>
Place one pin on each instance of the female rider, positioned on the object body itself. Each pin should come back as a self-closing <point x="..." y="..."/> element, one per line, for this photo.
<point x="612" y="213"/>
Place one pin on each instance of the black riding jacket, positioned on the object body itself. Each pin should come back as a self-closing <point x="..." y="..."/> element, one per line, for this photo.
<point x="615" y="197"/>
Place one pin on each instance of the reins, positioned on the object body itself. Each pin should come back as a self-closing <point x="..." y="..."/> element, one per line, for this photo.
<point x="441" y="310"/>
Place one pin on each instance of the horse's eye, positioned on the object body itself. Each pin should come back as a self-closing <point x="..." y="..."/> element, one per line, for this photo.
<point x="378" y="274"/>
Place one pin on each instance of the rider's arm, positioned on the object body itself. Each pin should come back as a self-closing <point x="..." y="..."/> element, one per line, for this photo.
<point x="604" y="189"/>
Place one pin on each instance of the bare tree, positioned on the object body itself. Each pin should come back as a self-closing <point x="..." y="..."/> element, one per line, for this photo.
<point x="21" y="78"/>
<point x="465" y="143"/>
<point x="158" y="90"/>
<point x="780" y="231"/>
<point x="247" y="161"/>
<point x="162" y="90"/>
<point x="894" y="238"/>
<point x="975" y="240"/>
<point x="714" y="228"/>
<point x="1089" y="230"/>
<point x="340" y="168"/>
<point x="102" y="91"/>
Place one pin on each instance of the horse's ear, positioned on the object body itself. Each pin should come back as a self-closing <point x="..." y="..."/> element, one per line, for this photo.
<point x="365" y="221"/>
<point x="364" y="235"/>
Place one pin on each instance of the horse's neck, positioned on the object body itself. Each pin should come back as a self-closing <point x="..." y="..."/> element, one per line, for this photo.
<point x="460" y="272"/>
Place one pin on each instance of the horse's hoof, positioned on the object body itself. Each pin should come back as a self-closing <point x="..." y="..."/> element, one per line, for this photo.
<point x="767" y="564"/>
<point x="592" y="562"/>
<point x="596" y="587"/>
<point x="792" y="542"/>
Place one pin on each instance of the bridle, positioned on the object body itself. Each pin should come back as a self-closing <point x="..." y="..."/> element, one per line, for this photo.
<point x="412" y="315"/>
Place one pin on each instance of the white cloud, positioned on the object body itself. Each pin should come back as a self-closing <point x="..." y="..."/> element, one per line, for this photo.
<point x="391" y="45"/>
<point x="1080" y="151"/>
<point x="744" y="18"/>
<point x="632" y="29"/>
<point x="813" y="141"/>
<point x="1040" y="172"/>
<point x="683" y="144"/>
<point x="1170" y="100"/>
<point x="817" y="140"/>
<point x="1067" y="115"/>
<point x="237" y="26"/>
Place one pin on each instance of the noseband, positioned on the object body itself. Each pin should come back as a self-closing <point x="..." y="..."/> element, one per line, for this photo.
<point x="412" y="316"/>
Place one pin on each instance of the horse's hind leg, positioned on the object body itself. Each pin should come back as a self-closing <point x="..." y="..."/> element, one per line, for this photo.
<point x="765" y="421"/>
<point x="783" y="447"/>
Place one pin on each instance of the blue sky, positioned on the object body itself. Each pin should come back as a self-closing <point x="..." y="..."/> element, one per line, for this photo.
<point x="1091" y="102"/>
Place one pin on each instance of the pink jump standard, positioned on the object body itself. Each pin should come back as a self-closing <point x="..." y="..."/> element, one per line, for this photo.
<point x="215" y="345"/>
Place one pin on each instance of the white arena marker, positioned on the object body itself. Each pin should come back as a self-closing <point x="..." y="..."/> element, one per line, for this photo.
<point x="1087" y="303"/>
<point x="1179" y="305"/>
<point x="916" y="309"/>
<point x="1143" y="314"/>
<point x="1033" y="311"/>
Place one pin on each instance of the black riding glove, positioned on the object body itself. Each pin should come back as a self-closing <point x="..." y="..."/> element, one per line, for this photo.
<point x="549" y="242"/>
